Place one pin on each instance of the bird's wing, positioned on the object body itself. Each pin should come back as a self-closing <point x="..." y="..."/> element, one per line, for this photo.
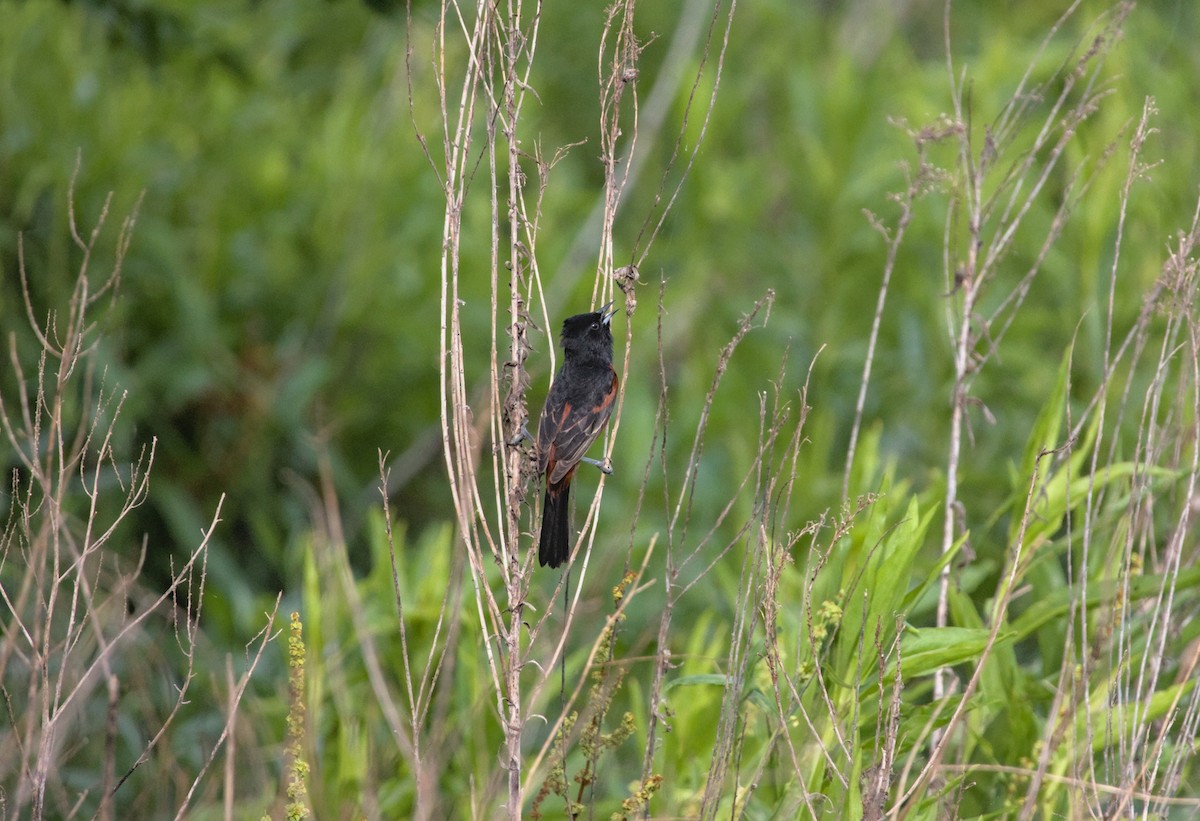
<point x="568" y="430"/>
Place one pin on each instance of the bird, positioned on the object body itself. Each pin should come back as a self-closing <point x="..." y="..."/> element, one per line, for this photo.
<point x="577" y="408"/>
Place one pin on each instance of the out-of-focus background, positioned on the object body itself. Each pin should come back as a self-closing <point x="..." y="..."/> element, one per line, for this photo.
<point x="278" y="311"/>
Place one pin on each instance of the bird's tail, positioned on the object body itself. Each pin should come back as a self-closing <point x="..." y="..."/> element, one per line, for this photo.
<point x="554" y="546"/>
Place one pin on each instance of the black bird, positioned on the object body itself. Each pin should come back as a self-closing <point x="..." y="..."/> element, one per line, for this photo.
<point x="577" y="408"/>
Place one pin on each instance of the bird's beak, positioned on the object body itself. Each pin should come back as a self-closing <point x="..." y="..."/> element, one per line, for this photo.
<point x="606" y="313"/>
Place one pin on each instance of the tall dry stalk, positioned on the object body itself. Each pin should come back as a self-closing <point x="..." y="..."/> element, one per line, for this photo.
<point x="991" y="222"/>
<point x="481" y="59"/>
<point x="71" y="609"/>
<point x="1111" y="694"/>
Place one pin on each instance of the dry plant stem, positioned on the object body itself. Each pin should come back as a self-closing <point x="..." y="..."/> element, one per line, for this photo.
<point x="620" y="78"/>
<point x="758" y="587"/>
<point x="623" y="72"/>
<point x="772" y="493"/>
<point x="109" y="777"/>
<point x="1083" y="785"/>
<point x="907" y="802"/>
<point x="753" y="473"/>
<point x="788" y="695"/>
<point x="230" y="775"/>
<point x="590" y="663"/>
<point x="962" y="347"/>
<point x="405" y="656"/>
<point x="500" y="45"/>
<point x="1066" y="702"/>
<point x="517" y="45"/>
<point x="992" y="225"/>
<point x="457" y="444"/>
<point x="1178" y="274"/>
<point x="1181" y="273"/>
<point x="60" y="625"/>
<point x="915" y="752"/>
<point x="56" y="606"/>
<point x="1139" y="683"/>
<point x="677" y="530"/>
<point x="517" y="42"/>
<point x="776" y="561"/>
<point x="888" y="758"/>
<point x="651" y="226"/>
<point x="651" y="120"/>
<point x="45" y="415"/>
<point x="960" y="356"/>
<point x="893" y="240"/>
<point x="501" y="50"/>
<point x="427" y="757"/>
<point x="332" y="554"/>
<point x="237" y="691"/>
<point x="186" y="639"/>
<point x="790" y="699"/>
<point x="621" y="75"/>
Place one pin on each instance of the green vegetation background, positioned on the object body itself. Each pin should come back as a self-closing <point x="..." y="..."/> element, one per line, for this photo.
<point x="279" y="305"/>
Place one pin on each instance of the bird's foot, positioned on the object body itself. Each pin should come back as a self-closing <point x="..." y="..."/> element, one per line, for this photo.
<point x="605" y="467"/>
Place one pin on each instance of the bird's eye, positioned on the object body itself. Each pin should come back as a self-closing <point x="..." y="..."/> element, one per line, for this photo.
<point x="595" y="326"/>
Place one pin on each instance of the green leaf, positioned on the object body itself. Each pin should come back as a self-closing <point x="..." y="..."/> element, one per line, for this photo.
<point x="1044" y="436"/>
<point x="719" y="679"/>
<point x="1058" y="604"/>
<point x="927" y="649"/>
<point x="890" y="566"/>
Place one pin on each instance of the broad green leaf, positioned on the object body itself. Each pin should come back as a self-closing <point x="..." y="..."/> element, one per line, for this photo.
<point x="698" y="679"/>
<point x="929" y="648"/>
<point x="1058" y="604"/>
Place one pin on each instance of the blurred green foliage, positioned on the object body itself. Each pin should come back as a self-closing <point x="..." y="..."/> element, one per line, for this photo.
<point x="279" y="305"/>
<point x="279" y="302"/>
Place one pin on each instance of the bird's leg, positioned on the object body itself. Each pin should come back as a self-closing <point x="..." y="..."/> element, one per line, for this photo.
<point x="524" y="435"/>
<point x="604" y="466"/>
